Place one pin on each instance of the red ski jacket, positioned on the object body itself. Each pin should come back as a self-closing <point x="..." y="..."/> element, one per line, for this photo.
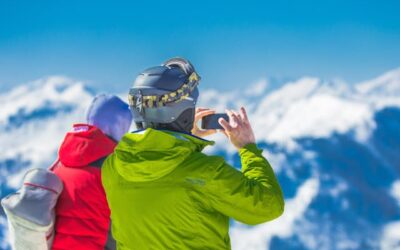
<point x="82" y="213"/>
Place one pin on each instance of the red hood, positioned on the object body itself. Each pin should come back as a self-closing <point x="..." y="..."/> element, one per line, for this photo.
<point x="84" y="145"/>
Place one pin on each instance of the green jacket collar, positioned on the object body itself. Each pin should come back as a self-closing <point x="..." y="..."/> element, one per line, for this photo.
<point x="150" y="154"/>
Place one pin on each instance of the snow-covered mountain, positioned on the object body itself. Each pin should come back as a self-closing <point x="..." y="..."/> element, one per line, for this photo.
<point x="335" y="148"/>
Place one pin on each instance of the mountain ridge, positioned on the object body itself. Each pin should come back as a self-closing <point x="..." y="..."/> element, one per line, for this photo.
<point x="333" y="146"/>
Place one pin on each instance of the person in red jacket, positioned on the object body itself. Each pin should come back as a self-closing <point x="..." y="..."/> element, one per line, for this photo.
<point x="82" y="213"/>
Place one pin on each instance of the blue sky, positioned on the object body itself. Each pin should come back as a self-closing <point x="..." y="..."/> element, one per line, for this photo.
<point x="231" y="43"/>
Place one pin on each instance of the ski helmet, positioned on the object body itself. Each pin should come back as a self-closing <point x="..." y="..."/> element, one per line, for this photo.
<point x="164" y="97"/>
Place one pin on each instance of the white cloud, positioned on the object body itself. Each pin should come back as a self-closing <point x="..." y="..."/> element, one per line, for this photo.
<point x="391" y="236"/>
<point x="395" y="191"/>
<point x="319" y="116"/>
<point x="54" y="91"/>
<point x="277" y="160"/>
<point x="4" y="229"/>
<point x="387" y="84"/>
<point x="258" y="88"/>
<point x="312" y="108"/>
<point x="381" y="91"/>
<point x="37" y="141"/>
<point x="259" y="237"/>
<point x="304" y="108"/>
<point x="338" y="189"/>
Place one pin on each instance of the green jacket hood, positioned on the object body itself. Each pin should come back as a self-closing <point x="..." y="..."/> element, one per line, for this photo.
<point x="151" y="154"/>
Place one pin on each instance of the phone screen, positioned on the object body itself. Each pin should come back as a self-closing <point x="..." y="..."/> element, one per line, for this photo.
<point x="211" y="121"/>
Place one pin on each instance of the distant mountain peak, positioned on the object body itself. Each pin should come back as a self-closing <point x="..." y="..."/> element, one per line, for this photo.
<point x="334" y="146"/>
<point x="387" y="84"/>
<point x="311" y="107"/>
<point x="53" y="92"/>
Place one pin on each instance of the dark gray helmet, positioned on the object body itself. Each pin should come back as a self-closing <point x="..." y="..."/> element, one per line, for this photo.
<point x="165" y="96"/>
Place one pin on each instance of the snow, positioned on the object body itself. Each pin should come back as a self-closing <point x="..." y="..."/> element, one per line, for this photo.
<point x="387" y="84"/>
<point x="4" y="228"/>
<point x="391" y="236"/>
<point x="395" y="191"/>
<point x="259" y="237"/>
<point x="44" y="133"/>
<point x="304" y="108"/>
<point x="54" y="91"/>
<point x="338" y="189"/>
<point x="290" y="93"/>
<point x="312" y="108"/>
<point x="257" y="88"/>
<point x="319" y="116"/>
<point x="381" y="91"/>
<point x="308" y="107"/>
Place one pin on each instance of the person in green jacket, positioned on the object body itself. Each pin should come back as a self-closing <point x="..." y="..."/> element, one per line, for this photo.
<point x="163" y="192"/>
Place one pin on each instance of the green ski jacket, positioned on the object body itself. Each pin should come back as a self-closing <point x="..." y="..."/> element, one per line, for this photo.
<point x="165" y="194"/>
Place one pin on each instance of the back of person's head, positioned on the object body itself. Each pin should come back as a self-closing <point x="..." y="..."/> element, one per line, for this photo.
<point x="164" y="97"/>
<point x="110" y="114"/>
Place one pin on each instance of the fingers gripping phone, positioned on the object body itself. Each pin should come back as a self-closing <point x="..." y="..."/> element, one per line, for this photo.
<point x="211" y="121"/>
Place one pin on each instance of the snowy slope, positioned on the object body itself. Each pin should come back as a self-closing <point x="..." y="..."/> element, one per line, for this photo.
<point x="311" y="107"/>
<point x="346" y="139"/>
<point x="334" y="146"/>
<point x="33" y="119"/>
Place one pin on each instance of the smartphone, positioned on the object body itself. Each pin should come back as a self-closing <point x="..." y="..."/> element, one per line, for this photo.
<point x="211" y="121"/>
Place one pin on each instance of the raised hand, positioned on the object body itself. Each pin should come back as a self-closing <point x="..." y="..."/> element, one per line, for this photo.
<point x="238" y="129"/>
<point x="200" y="113"/>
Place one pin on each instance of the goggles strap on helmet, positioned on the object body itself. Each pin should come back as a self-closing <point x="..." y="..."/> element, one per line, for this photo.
<point x="139" y="101"/>
<point x="136" y="101"/>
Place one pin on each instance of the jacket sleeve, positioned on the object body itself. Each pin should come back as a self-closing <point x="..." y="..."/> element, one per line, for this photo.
<point x="251" y="196"/>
